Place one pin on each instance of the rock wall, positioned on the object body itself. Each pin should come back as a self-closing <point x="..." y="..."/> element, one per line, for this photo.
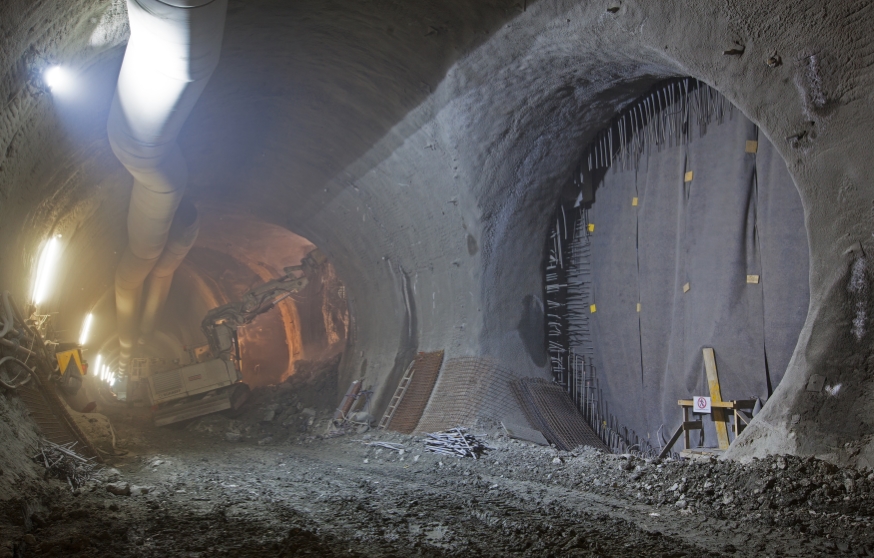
<point x="19" y="438"/>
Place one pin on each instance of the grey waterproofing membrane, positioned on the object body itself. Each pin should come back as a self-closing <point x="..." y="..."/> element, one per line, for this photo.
<point x="739" y="215"/>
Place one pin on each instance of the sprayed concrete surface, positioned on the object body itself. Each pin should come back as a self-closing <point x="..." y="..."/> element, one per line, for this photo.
<point x="423" y="145"/>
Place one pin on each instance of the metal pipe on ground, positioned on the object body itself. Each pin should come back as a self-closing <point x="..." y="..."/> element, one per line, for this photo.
<point x="173" y="49"/>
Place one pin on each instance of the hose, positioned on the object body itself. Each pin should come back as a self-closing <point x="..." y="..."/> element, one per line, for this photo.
<point x="8" y="318"/>
<point x="14" y="385"/>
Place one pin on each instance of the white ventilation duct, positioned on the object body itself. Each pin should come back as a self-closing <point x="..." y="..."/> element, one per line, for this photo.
<point x="183" y="233"/>
<point x="173" y="49"/>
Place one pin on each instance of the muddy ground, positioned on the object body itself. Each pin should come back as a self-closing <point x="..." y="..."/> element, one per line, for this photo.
<point x="277" y="487"/>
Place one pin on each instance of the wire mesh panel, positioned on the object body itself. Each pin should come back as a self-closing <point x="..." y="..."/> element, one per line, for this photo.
<point x="551" y="410"/>
<point x="53" y="428"/>
<point x="426" y="367"/>
<point x="49" y="414"/>
<point x="468" y="389"/>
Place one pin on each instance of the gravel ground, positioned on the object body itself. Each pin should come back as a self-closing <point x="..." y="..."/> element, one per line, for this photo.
<point x="196" y="494"/>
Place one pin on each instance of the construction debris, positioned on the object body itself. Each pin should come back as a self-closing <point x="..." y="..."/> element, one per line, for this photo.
<point x="519" y="432"/>
<point x="455" y="442"/>
<point x="65" y="464"/>
<point x="348" y="400"/>
<point x="388" y="445"/>
<point x="119" y="488"/>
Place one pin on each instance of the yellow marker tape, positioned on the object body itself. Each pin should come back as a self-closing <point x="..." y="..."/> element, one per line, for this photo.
<point x="638" y="307"/>
<point x="591" y="227"/>
<point x="686" y="287"/>
<point x="634" y="202"/>
<point x="754" y="279"/>
<point x="752" y="146"/>
<point x="689" y="176"/>
<point x="593" y="309"/>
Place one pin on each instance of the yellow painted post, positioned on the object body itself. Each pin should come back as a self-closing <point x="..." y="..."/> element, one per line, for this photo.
<point x="716" y="397"/>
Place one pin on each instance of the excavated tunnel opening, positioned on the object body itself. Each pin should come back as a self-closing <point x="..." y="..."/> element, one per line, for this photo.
<point x="234" y="254"/>
<point x="683" y="234"/>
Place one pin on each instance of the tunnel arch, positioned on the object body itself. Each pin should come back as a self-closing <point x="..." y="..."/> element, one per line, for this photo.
<point x="311" y="326"/>
<point x="470" y="156"/>
<point x="680" y="208"/>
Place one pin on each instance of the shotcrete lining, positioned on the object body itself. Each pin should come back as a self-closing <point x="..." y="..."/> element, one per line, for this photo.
<point x="387" y="144"/>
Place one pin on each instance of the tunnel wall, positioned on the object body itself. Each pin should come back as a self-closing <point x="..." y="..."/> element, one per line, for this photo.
<point x="496" y="159"/>
<point x="424" y="146"/>
<point x="697" y="244"/>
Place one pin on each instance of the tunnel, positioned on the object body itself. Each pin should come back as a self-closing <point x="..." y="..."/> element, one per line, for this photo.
<point x="506" y="277"/>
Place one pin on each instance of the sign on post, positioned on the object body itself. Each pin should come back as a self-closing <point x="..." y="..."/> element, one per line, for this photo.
<point x="701" y="404"/>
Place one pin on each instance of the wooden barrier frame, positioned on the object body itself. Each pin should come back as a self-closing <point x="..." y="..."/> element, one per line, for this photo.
<point x="739" y="409"/>
<point x="719" y="407"/>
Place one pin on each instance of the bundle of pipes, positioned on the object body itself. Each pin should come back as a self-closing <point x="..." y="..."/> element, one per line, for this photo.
<point x="173" y="49"/>
<point x="64" y="463"/>
<point x="455" y="442"/>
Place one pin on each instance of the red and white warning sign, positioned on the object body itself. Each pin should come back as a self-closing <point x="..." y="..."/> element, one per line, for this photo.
<point x="702" y="404"/>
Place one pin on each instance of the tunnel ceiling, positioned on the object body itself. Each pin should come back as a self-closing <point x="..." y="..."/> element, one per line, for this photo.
<point x="423" y="145"/>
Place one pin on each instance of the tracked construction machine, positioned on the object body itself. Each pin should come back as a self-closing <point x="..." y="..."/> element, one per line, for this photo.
<point x="214" y="382"/>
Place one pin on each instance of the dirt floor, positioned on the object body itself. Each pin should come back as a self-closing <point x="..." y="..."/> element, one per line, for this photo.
<point x="266" y="483"/>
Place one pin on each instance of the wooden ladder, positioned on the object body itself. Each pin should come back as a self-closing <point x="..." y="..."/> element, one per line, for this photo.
<point x="398" y="396"/>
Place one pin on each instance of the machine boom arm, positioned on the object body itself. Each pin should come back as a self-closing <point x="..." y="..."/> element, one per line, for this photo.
<point x="254" y="303"/>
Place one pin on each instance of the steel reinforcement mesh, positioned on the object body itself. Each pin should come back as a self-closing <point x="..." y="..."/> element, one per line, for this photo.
<point x="55" y="423"/>
<point x="426" y="367"/>
<point x="469" y="389"/>
<point x="551" y="410"/>
<point x="53" y="428"/>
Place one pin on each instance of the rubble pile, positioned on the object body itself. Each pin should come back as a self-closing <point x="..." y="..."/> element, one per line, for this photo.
<point x="827" y="508"/>
<point x="811" y="497"/>
<point x="381" y="493"/>
<point x="725" y="488"/>
<point x="824" y="508"/>
<point x="292" y="411"/>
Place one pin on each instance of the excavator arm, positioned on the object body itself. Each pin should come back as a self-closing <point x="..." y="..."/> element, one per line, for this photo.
<point x="220" y="324"/>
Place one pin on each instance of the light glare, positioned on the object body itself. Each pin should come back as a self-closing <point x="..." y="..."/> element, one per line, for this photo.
<point x="86" y="327"/>
<point x="57" y="78"/>
<point x="45" y="270"/>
